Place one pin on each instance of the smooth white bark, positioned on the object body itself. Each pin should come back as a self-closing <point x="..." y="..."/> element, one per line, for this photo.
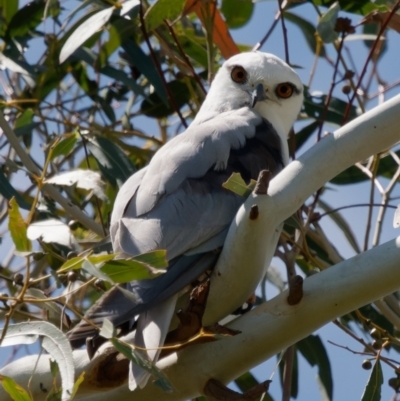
<point x="249" y="247"/>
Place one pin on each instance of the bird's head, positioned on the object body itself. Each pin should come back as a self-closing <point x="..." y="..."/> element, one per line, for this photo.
<point x="260" y="81"/>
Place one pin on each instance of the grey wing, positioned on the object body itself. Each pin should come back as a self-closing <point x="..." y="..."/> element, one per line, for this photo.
<point x="190" y="209"/>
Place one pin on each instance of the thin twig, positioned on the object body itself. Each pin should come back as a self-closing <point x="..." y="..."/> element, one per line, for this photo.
<point x="185" y="57"/>
<point x="284" y="32"/>
<point x="369" y="57"/>
<point x="157" y="65"/>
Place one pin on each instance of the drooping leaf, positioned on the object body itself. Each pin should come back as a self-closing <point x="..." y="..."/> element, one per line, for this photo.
<point x="112" y="161"/>
<point x="76" y="263"/>
<point x="308" y="30"/>
<point x="55" y="343"/>
<point x="8" y="191"/>
<point x="18" y="67"/>
<point x="78" y="382"/>
<point x="372" y="391"/>
<point x="305" y="133"/>
<point x="153" y="106"/>
<point x="64" y="147"/>
<point x="26" y="18"/>
<point x="315" y="353"/>
<point x="141" y="359"/>
<point x="84" y="179"/>
<point x="17" y="227"/>
<point x="236" y="184"/>
<point x="124" y="271"/>
<point x="8" y="9"/>
<point x="326" y="24"/>
<point x="51" y="231"/>
<point x="314" y="107"/>
<point x="246" y="381"/>
<point x="14" y="390"/>
<point x="90" y="268"/>
<point x="386" y="168"/>
<point x="146" y="66"/>
<point x="161" y="10"/>
<point x="156" y="259"/>
<point x="85" y="31"/>
<point x="237" y="12"/>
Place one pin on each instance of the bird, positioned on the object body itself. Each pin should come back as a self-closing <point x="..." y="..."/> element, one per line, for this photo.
<point x="177" y="202"/>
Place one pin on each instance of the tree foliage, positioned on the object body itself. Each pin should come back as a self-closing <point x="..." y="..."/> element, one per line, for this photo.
<point x="90" y="93"/>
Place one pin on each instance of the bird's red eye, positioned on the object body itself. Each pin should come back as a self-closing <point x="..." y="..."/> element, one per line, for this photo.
<point x="239" y="75"/>
<point x="284" y="90"/>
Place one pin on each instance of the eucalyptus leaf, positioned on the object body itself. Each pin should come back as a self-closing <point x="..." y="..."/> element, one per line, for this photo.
<point x="85" y="31"/>
<point x="161" y="10"/>
<point x="14" y="390"/>
<point x="84" y="179"/>
<point x="372" y="391"/>
<point x="326" y="24"/>
<point x="51" y="231"/>
<point x="8" y="191"/>
<point x="236" y="184"/>
<point x="55" y="343"/>
<point x="141" y="359"/>
<point x="17" y="227"/>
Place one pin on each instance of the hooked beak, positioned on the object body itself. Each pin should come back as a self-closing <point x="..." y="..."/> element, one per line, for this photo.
<point x="258" y="95"/>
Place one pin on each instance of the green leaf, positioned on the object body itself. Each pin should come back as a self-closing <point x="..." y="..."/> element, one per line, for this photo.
<point x="145" y="65"/>
<point x="124" y="271"/>
<point x="305" y="133"/>
<point x="8" y="191"/>
<point x="76" y="263"/>
<point x="64" y="147"/>
<point x="54" y="342"/>
<point x="54" y="368"/>
<point x="154" y="106"/>
<point x="236" y="184"/>
<point x="8" y="9"/>
<point x="326" y="24"/>
<point x="372" y="391"/>
<point x="314" y="106"/>
<point x="17" y="227"/>
<point x="122" y="76"/>
<point x="246" y="381"/>
<point x="112" y="161"/>
<point x="55" y="394"/>
<point x="85" y="31"/>
<point x="161" y="10"/>
<point x="14" y="390"/>
<point x="26" y="19"/>
<point x="314" y="352"/>
<point x="308" y="31"/>
<point x="386" y="168"/>
<point x="237" y="12"/>
<point x="78" y="382"/>
<point x="141" y="359"/>
<point x="156" y="259"/>
<point x="24" y="124"/>
<point x="90" y="268"/>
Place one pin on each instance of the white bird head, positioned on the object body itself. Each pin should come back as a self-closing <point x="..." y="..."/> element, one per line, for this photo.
<point x="279" y="89"/>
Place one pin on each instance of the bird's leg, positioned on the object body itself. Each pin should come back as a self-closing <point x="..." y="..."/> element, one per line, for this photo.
<point x="190" y="329"/>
